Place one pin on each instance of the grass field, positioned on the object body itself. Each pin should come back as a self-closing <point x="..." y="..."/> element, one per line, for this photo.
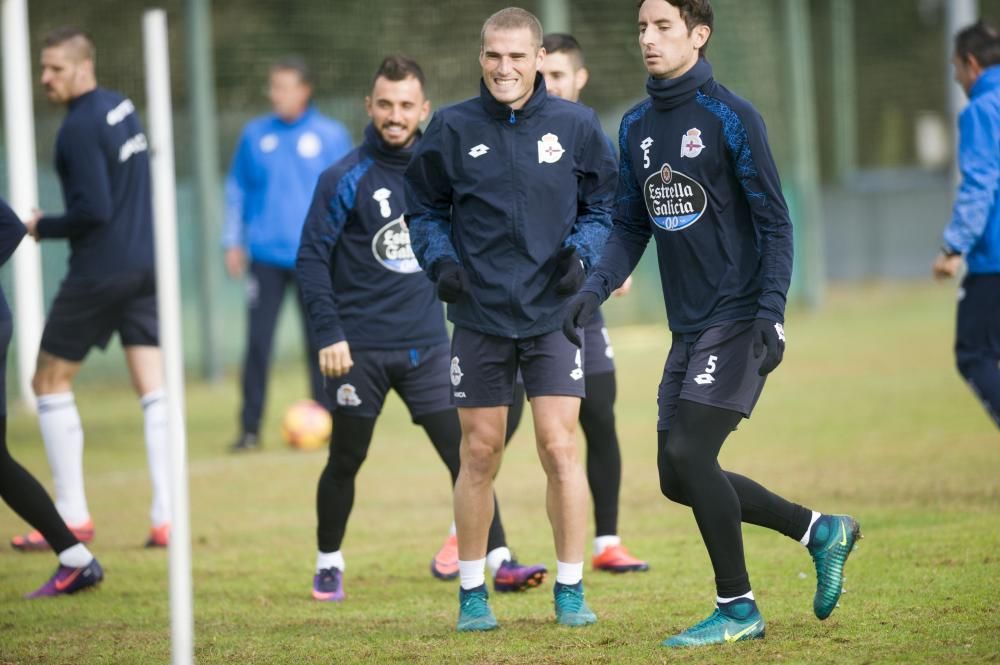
<point x="866" y="416"/>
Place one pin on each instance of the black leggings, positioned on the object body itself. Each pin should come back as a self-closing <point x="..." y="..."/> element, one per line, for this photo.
<point x="28" y="498"/>
<point x="690" y="475"/>
<point x="348" y="449"/>
<point x="604" y="459"/>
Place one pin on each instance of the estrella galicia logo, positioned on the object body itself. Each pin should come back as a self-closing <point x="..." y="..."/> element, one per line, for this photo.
<point x="391" y="246"/>
<point x="674" y="200"/>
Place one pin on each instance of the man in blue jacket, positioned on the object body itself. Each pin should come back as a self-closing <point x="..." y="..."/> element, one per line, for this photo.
<point x="277" y="161"/>
<point x="974" y="231"/>
<point x="110" y="286"/>
<point x="508" y="201"/>
<point x="696" y="172"/>
<point x="376" y="319"/>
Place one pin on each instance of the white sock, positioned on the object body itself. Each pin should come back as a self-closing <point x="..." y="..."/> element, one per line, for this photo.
<point x="59" y="422"/>
<point x="719" y="600"/>
<point x="495" y="558"/>
<point x="326" y="560"/>
<point x="472" y="574"/>
<point x="77" y="556"/>
<point x="452" y="531"/>
<point x="601" y="543"/>
<point x="154" y="411"/>
<point x="569" y="573"/>
<point x="805" y="537"/>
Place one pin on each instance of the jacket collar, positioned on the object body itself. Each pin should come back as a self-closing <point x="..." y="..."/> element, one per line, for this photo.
<point x="298" y="122"/>
<point x="396" y="158"/>
<point x="671" y="93"/>
<point x="503" y="112"/>
<point x="987" y="81"/>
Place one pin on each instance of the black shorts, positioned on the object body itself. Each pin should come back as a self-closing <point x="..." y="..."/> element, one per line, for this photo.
<point x="420" y="376"/>
<point x="484" y="367"/>
<point x="598" y="356"/>
<point x="87" y="311"/>
<point x="717" y="369"/>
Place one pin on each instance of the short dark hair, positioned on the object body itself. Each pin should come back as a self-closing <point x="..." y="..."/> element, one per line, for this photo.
<point x="694" y="13"/>
<point x="561" y="42"/>
<point x="294" y="63"/>
<point x="397" y="67"/>
<point x="980" y="41"/>
<point x="83" y="43"/>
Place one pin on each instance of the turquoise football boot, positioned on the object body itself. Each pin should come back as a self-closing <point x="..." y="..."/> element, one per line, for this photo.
<point x="474" y="611"/>
<point x="832" y="539"/>
<point x="736" y="621"/>
<point x="571" y="608"/>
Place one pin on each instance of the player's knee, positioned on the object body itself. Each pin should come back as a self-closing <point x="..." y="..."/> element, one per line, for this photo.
<point x="670" y="485"/>
<point x="481" y="457"/>
<point x="47" y="381"/>
<point x="344" y="462"/>
<point x="559" y="455"/>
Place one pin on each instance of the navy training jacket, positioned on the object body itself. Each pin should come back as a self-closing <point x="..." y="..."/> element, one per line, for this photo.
<point x="697" y="174"/>
<point x="501" y="192"/>
<point x="103" y="164"/>
<point x="359" y="279"/>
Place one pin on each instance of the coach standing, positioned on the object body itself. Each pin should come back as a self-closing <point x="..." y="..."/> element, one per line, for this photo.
<point x="508" y="203"/>
<point x="278" y="160"/>
<point x="974" y="232"/>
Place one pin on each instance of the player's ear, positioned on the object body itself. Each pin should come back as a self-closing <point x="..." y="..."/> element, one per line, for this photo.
<point x="425" y="110"/>
<point x="368" y="105"/>
<point x="701" y="33"/>
<point x="582" y="76"/>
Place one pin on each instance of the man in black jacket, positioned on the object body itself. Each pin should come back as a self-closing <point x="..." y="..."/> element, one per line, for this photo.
<point x="508" y="202"/>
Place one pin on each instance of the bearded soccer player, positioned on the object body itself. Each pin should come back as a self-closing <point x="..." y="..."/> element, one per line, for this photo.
<point x="696" y="172"/>
<point x="110" y="287"/>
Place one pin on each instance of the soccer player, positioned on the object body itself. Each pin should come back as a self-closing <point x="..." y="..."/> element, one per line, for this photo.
<point x="508" y="201"/>
<point x="696" y="172"/>
<point x="103" y="166"/>
<point x="78" y="569"/>
<point x="274" y="171"/>
<point x="377" y="320"/>
<point x="974" y="231"/>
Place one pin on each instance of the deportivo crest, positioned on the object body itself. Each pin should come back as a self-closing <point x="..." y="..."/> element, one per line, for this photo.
<point x="347" y="395"/>
<point x="674" y="200"/>
<point x="268" y="143"/>
<point x="455" y="372"/>
<point x="309" y="145"/>
<point x="549" y="150"/>
<point x="691" y="144"/>
<point x="391" y="247"/>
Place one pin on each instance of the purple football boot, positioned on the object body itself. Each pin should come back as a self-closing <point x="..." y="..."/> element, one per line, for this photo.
<point x="70" y="580"/>
<point x="328" y="585"/>
<point x="512" y="576"/>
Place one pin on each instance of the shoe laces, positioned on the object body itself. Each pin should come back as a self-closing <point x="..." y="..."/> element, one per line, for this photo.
<point x="329" y="575"/>
<point x="713" y="619"/>
<point x="569" y="599"/>
<point x="474" y="604"/>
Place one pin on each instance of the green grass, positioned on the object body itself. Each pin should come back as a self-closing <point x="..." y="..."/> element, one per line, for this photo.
<point x="866" y="416"/>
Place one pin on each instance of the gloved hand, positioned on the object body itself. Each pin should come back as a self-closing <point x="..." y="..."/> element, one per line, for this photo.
<point x="452" y="281"/>
<point x="571" y="273"/>
<point x="770" y="336"/>
<point x="579" y="312"/>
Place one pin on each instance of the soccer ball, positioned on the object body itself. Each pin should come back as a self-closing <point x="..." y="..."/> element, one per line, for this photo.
<point x="306" y="425"/>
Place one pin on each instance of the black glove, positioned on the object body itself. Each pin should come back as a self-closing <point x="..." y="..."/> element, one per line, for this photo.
<point x="452" y="281"/>
<point x="571" y="273"/>
<point x="770" y="336"/>
<point x="579" y="312"/>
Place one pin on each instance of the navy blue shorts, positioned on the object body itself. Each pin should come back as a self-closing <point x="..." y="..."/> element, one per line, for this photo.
<point x="87" y="311"/>
<point x="598" y="355"/>
<point x="420" y="376"/>
<point x="485" y="367"/>
<point x="717" y="369"/>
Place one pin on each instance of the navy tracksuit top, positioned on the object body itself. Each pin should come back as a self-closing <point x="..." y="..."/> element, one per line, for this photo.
<point x="696" y="173"/>
<point x="359" y="279"/>
<point x="103" y="166"/>
<point x="501" y="192"/>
